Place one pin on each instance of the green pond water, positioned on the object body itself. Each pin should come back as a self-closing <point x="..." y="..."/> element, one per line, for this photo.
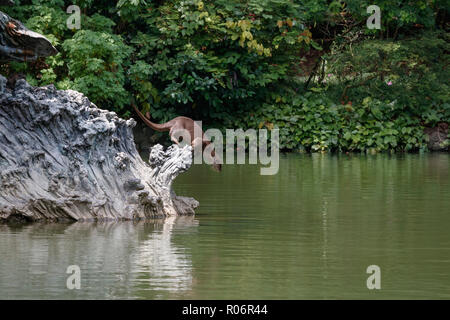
<point x="309" y="232"/>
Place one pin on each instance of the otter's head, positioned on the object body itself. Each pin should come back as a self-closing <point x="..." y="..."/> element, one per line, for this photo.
<point x="217" y="167"/>
<point x="217" y="163"/>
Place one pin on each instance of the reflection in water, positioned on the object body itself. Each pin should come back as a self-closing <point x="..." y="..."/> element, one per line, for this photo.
<point x="309" y="232"/>
<point x="161" y="265"/>
<point x="111" y="257"/>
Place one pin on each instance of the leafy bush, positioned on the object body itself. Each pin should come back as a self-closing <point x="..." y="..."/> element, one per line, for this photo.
<point x="408" y="73"/>
<point x="208" y="58"/>
<point x="96" y="65"/>
<point x="235" y="63"/>
<point x="313" y="122"/>
<point x="376" y="96"/>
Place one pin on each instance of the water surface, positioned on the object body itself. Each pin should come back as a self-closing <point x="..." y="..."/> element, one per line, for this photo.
<point x="309" y="232"/>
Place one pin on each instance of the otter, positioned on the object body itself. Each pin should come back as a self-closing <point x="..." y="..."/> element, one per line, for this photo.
<point x="176" y="125"/>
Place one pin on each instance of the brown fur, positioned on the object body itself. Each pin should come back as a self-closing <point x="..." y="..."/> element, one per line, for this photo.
<point x="179" y="123"/>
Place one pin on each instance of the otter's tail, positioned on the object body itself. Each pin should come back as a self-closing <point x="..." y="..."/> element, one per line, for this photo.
<point x="155" y="126"/>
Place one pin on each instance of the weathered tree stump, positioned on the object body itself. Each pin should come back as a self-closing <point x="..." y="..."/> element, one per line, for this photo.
<point x="63" y="158"/>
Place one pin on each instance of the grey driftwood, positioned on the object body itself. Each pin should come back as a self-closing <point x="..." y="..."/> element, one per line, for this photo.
<point x="63" y="158"/>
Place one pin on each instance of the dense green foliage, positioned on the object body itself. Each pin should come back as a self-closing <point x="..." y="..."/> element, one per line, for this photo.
<point x="378" y="98"/>
<point x="236" y="63"/>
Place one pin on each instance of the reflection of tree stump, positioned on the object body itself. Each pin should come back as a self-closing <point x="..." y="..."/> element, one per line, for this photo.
<point x="438" y="137"/>
<point x="63" y="158"/>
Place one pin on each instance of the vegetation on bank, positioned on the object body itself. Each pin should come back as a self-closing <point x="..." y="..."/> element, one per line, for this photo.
<point x="310" y="67"/>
